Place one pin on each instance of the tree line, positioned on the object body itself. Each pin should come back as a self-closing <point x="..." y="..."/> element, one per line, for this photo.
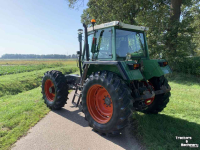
<point x="34" y="56"/>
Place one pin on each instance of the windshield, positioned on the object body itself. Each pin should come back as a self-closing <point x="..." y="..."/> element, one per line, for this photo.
<point x="129" y="42"/>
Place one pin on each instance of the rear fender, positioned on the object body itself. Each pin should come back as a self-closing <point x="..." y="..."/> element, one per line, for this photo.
<point x="151" y="68"/>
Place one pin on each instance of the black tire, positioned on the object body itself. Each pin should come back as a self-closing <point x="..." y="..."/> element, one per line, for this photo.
<point x="60" y="89"/>
<point x="161" y="100"/>
<point x="121" y="97"/>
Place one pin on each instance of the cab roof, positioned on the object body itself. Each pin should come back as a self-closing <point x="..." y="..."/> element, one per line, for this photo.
<point x="119" y="24"/>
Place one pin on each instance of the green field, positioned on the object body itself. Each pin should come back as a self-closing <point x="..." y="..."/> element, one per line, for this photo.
<point x="14" y="69"/>
<point x="37" y="62"/>
<point x="17" y="83"/>
<point x="21" y="107"/>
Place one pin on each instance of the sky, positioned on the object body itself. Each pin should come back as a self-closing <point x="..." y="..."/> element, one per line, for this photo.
<point x="39" y="27"/>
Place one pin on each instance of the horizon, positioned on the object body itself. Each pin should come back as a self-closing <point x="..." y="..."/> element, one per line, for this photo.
<point x="37" y="54"/>
<point x="39" y="27"/>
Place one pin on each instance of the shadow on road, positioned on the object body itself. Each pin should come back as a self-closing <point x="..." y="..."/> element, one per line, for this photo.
<point x="74" y="116"/>
<point x="123" y="140"/>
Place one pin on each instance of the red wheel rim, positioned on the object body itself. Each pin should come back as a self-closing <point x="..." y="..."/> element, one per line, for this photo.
<point x="49" y="90"/>
<point x="99" y="104"/>
<point x="150" y="100"/>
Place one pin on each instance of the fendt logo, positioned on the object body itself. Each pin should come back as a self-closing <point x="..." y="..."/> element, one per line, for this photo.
<point x="108" y="24"/>
<point x="186" y="144"/>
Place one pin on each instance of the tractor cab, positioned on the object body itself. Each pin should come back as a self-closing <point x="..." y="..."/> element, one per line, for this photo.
<point x="116" y="41"/>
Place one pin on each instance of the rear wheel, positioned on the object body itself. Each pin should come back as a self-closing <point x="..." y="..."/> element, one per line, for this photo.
<point x="160" y="101"/>
<point x="106" y="99"/>
<point x="99" y="104"/>
<point x="54" y="89"/>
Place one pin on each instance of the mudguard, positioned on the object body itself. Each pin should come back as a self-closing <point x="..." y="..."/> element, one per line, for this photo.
<point x="153" y="69"/>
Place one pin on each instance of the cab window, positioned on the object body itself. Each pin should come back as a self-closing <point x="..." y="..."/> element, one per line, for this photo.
<point x="90" y="37"/>
<point x="130" y="42"/>
<point x="104" y="43"/>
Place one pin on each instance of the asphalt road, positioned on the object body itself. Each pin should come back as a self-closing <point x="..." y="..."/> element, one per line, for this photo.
<point x="67" y="129"/>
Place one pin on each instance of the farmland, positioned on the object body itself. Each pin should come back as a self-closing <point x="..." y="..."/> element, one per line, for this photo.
<point x="21" y="106"/>
<point x="20" y="98"/>
<point x="13" y="69"/>
<point x="37" y="62"/>
<point x="16" y="66"/>
<point x="12" y="84"/>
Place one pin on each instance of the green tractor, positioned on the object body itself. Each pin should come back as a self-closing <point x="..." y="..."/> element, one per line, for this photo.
<point x="116" y="77"/>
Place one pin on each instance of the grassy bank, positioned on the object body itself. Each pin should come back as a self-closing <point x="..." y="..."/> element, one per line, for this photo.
<point x="180" y="118"/>
<point x="21" y="104"/>
<point x="14" y="69"/>
<point x="19" y="113"/>
<point x="37" y="61"/>
<point x="17" y="83"/>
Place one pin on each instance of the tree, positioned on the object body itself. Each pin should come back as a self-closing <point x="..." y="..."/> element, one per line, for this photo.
<point x="169" y="20"/>
<point x="172" y="31"/>
<point x="109" y="10"/>
<point x="174" y="24"/>
<point x="75" y="3"/>
<point x="195" y="13"/>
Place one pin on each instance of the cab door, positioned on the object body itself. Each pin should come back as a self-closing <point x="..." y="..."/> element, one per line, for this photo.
<point x="103" y="44"/>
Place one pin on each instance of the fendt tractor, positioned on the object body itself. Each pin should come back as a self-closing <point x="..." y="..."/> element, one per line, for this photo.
<point x="116" y="77"/>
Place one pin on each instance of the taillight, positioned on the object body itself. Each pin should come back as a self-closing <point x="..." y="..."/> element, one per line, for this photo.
<point x="136" y="66"/>
<point x="133" y="66"/>
<point x="163" y="64"/>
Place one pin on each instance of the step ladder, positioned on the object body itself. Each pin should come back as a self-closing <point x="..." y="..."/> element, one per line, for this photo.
<point x="78" y="95"/>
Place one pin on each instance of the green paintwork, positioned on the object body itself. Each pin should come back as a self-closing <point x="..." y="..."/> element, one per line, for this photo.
<point x="150" y="69"/>
<point x="132" y="74"/>
<point x="95" y="68"/>
<point x="137" y="55"/>
<point x="146" y="46"/>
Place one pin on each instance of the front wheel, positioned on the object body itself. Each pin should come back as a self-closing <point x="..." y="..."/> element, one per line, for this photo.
<point x="106" y="99"/>
<point x="54" y="89"/>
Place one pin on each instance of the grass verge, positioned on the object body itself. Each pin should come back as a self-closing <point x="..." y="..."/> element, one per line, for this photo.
<point x="5" y="70"/>
<point x="19" y="113"/>
<point x="179" y="118"/>
<point x="17" y="83"/>
<point x="37" y="61"/>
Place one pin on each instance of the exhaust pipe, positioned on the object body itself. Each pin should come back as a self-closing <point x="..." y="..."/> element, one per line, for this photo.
<point x="86" y="42"/>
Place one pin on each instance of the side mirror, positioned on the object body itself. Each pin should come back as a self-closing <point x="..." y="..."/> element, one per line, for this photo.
<point x="94" y="43"/>
<point x="78" y="52"/>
